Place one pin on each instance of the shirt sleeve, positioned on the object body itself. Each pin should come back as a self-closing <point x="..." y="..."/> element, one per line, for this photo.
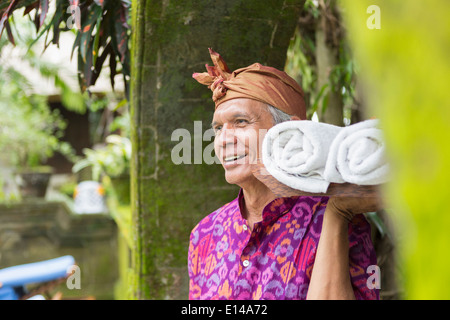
<point x="192" y="260"/>
<point x="364" y="272"/>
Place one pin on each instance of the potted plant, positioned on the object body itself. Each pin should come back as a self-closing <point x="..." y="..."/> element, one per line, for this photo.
<point x="29" y="134"/>
<point x="110" y="160"/>
<point x="29" y="131"/>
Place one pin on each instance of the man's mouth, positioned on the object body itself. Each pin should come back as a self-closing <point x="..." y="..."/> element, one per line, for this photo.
<point x="234" y="158"/>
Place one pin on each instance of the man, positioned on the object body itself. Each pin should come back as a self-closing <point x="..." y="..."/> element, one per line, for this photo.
<point x="259" y="246"/>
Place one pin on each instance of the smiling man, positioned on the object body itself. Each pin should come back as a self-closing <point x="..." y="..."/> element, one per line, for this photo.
<point x="259" y="246"/>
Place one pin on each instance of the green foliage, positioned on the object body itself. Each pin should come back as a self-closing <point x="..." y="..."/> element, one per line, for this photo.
<point x="302" y="65"/>
<point x="29" y="131"/>
<point x="72" y="100"/>
<point x="104" y="33"/>
<point x="102" y="29"/>
<point x="112" y="160"/>
<point x="312" y="7"/>
<point x="405" y="68"/>
<point x="24" y="40"/>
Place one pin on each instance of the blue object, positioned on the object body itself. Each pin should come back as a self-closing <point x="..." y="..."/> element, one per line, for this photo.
<point x="8" y="293"/>
<point x="48" y="270"/>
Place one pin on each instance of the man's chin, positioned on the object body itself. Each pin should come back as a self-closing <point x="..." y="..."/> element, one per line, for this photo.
<point x="238" y="178"/>
<point x="231" y="180"/>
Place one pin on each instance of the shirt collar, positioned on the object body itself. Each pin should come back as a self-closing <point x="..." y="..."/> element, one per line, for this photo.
<point x="273" y="210"/>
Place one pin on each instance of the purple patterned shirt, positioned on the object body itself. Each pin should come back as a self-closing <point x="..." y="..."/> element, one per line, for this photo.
<point x="274" y="261"/>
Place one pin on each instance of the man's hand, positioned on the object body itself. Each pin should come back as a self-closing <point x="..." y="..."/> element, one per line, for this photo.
<point x="348" y="207"/>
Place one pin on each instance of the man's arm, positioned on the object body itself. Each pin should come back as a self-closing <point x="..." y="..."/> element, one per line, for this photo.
<point x="330" y="277"/>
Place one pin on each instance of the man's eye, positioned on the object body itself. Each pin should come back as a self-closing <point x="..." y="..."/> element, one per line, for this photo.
<point x="241" y="121"/>
<point x="217" y="129"/>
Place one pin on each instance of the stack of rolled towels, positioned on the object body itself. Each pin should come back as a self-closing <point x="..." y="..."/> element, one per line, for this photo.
<point x="308" y="156"/>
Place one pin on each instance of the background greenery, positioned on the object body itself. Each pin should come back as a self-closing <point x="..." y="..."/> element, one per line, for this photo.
<point x="405" y="67"/>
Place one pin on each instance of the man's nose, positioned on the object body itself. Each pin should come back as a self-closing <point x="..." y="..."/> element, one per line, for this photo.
<point x="227" y="136"/>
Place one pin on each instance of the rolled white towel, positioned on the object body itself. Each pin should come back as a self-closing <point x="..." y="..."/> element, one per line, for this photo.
<point x="357" y="155"/>
<point x="295" y="153"/>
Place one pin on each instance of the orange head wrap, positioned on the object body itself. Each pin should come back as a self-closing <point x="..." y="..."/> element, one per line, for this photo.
<point x="257" y="82"/>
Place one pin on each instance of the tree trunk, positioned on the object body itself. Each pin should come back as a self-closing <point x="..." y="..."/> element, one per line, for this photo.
<point x="327" y="52"/>
<point x="170" y="41"/>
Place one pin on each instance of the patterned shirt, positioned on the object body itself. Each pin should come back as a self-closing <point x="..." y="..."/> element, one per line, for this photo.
<point x="227" y="260"/>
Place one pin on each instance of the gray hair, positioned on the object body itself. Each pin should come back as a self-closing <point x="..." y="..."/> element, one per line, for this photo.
<point x="278" y="115"/>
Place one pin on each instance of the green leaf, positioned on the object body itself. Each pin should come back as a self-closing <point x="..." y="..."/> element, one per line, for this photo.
<point x="87" y="27"/>
<point x="43" y="6"/>
<point x="9" y="33"/>
<point x="112" y="69"/>
<point x="80" y="165"/>
<point x="121" y="104"/>
<point x="6" y="14"/>
<point x="96" y="41"/>
<point x="76" y="43"/>
<point x="379" y="224"/>
<point x="56" y="17"/>
<point x="323" y="90"/>
<point x="99" y="63"/>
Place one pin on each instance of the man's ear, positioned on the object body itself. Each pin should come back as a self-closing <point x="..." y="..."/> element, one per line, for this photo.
<point x="295" y="118"/>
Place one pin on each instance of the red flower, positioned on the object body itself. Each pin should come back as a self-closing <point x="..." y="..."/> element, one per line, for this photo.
<point x="215" y="75"/>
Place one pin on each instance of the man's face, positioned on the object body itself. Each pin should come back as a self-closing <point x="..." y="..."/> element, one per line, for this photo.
<point x="240" y="126"/>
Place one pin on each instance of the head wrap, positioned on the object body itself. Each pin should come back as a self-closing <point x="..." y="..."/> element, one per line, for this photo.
<point x="258" y="82"/>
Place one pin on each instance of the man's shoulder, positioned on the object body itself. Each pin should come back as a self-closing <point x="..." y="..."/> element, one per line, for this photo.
<point x="310" y="204"/>
<point x="222" y="213"/>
